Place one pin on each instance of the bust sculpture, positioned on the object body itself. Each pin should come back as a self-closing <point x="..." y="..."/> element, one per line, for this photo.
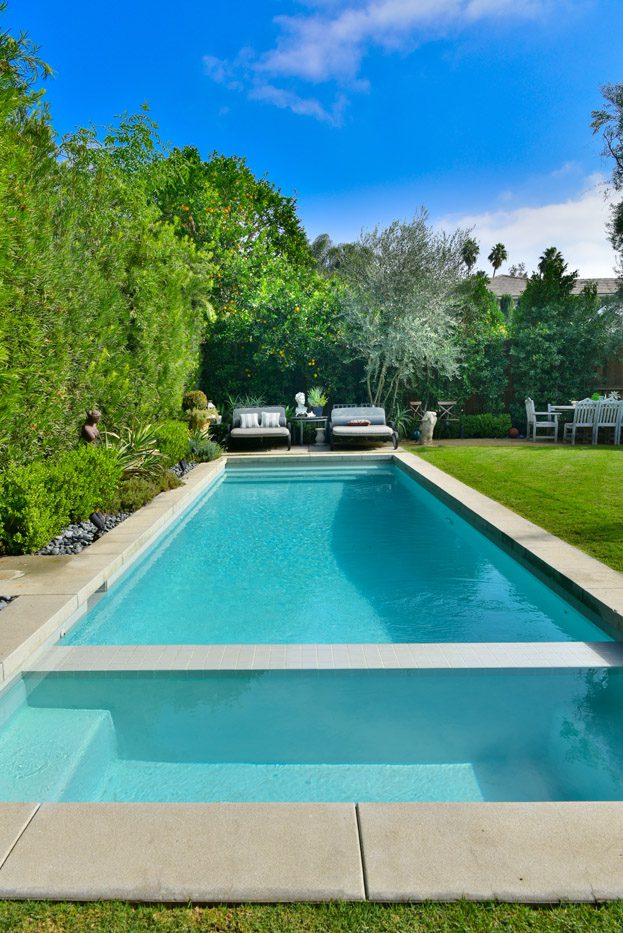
<point x="301" y="409"/>
<point x="89" y="432"/>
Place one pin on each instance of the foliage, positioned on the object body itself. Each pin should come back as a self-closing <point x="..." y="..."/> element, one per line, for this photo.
<point x="136" y="491"/>
<point x="203" y="449"/>
<point x="403" y="421"/>
<point x="102" y="304"/>
<point x="486" y="425"/>
<point x="283" y="331"/>
<point x="172" y="441"/>
<point x="558" y="339"/>
<point x="529" y="480"/>
<point x="38" y="500"/>
<point x="609" y="121"/>
<point x="194" y="399"/>
<point x="497" y="256"/>
<point x="469" y="253"/>
<point x="400" y="310"/>
<point x="136" y="450"/>
<point x="481" y="337"/>
<point x="197" y="418"/>
<point x="317" y="397"/>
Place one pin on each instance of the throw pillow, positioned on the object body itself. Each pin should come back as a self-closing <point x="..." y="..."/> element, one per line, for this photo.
<point x="359" y="423"/>
<point x="270" y="419"/>
<point x="249" y="420"/>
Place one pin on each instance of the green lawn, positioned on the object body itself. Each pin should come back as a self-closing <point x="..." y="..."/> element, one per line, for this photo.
<point x="463" y="917"/>
<point x="573" y="492"/>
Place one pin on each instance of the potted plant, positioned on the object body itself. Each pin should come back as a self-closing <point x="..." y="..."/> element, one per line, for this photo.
<point x="317" y="399"/>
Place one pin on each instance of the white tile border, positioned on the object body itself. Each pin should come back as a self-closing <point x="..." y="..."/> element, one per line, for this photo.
<point x="262" y="657"/>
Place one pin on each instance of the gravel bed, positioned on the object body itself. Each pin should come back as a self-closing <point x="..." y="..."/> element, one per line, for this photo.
<point x="74" y="538"/>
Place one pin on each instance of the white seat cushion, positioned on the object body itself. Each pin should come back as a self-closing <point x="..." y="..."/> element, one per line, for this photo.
<point x="353" y="430"/>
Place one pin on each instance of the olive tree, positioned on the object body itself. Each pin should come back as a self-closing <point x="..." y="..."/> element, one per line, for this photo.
<point x="400" y="305"/>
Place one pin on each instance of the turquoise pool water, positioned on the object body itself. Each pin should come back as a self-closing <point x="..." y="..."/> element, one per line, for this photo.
<point x="333" y="554"/>
<point x="325" y="735"/>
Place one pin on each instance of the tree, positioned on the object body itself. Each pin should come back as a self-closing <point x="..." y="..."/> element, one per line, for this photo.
<point x="497" y="256"/>
<point x="469" y="253"/>
<point x="559" y="338"/>
<point x="609" y="121"/>
<point x="482" y="335"/>
<point x="399" y="309"/>
<point x="518" y="271"/>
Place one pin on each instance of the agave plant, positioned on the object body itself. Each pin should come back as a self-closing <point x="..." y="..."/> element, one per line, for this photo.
<point x="404" y="422"/>
<point x="136" y="449"/>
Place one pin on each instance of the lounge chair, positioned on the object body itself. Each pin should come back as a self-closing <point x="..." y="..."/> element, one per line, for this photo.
<point x="349" y="421"/>
<point x="260" y="431"/>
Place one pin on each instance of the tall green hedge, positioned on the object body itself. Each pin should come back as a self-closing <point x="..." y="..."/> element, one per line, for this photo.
<point x="102" y="303"/>
<point x="39" y="499"/>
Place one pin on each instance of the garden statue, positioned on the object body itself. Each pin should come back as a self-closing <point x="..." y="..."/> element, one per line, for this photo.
<point x="301" y="410"/>
<point x="429" y="420"/>
<point x="89" y="432"/>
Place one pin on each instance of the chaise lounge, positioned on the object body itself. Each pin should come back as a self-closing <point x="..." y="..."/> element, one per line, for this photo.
<point x="362" y="422"/>
<point x="267" y="422"/>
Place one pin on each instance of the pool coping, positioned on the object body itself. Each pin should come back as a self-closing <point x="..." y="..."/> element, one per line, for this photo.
<point x="215" y="853"/>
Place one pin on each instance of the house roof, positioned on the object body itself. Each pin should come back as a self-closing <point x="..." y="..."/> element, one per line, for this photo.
<point x="514" y="286"/>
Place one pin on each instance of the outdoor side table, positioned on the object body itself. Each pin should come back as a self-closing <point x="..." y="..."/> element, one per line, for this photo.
<point x="320" y="422"/>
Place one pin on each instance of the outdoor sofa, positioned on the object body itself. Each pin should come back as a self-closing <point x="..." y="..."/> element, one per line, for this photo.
<point x="343" y="424"/>
<point x="261" y="432"/>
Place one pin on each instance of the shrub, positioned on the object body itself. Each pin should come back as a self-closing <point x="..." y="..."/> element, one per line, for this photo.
<point x="172" y="440"/>
<point x="203" y="448"/>
<point x="194" y="399"/>
<point x="38" y="500"/>
<point x="137" y="491"/>
<point x="486" y="425"/>
<point x="197" y="418"/>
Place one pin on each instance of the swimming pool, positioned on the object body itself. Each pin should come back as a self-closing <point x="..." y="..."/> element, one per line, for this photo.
<point x="332" y="554"/>
<point x="315" y="736"/>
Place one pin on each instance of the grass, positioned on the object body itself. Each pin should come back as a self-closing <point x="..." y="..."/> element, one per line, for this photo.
<point x="573" y="492"/>
<point x="461" y="917"/>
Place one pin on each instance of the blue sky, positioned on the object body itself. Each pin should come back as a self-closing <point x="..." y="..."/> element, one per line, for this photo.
<point x="477" y="109"/>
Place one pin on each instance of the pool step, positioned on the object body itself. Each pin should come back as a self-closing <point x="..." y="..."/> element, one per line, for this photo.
<point x="44" y="750"/>
<point x="132" y="780"/>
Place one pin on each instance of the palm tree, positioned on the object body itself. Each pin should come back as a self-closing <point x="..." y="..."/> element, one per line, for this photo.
<point x="497" y="256"/>
<point x="469" y="253"/>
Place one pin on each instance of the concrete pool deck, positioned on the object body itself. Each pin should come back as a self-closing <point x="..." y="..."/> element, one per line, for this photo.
<point x="536" y="853"/>
<point x="532" y="852"/>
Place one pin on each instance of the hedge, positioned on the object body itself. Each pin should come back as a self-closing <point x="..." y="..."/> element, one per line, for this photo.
<point x="172" y="439"/>
<point x="38" y="500"/>
<point x="486" y="425"/>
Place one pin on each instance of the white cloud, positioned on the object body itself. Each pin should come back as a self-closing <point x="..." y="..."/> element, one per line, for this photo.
<point x="576" y="226"/>
<point x="329" y="42"/>
<point x="307" y="106"/>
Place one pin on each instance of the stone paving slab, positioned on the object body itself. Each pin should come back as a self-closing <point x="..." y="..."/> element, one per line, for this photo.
<point x="328" y="657"/>
<point x="182" y="852"/>
<point x="14" y="818"/>
<point x="26" y="625"/>
<point x="532" y="852"/>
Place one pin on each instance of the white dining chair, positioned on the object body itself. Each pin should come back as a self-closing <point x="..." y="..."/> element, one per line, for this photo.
<point x="607" y="416"/>
<point x="583" y="419"/>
